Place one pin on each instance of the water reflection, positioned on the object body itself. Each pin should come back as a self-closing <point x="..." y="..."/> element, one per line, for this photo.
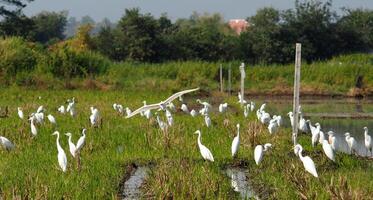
<point x="131" y="188"/>
<point x="240" y="184"/>
<point x="338" y="125"/>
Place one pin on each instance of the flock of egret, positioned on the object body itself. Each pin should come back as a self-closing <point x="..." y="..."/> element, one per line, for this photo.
<point x="273" y="123"/>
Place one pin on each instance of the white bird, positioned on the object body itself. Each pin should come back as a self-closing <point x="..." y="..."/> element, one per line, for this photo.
<point x="259" y="152"/>
<point x="223" y="107"/>
<point x="40" y="109"/>
<point x="71" y="107"/>
<point x="279" y="120"/>
<point x="321" y="137"/>
<point x="206" y="105"/>
<point x="205" y="152"/>
<point x="148" y="114"/>
<point x="245" y="112"/>
<point x="72" y="146"/>
<point x="161" y="123"/>
<point x="20" y="113"/>
<point x="170" y="119"/>
<point x="171" y="106"/>
<point x="291" y="118"/>
<point x="7" y="144"/>
<point x="265" y="117"/>
<point x="81" y="141"/>
<point x="115" y="107"/>
<point x="61" y="109"/>
<point x="262" y="107"/>
<point x="128" y="111"/>
<point x="184" y="108"/>
<point x="328" y="150"/>
<point x="34" y="131"/>
<point x="302" y="124"/>
<point x="368" y="141"/>
<point x="252" y="106"/>
<point x="162" y="104"/>
<point x="273" y="126"/>
<point x="207" y="121"/>
<point x="51" y="119"/>
<point x="315" y="133"/>
<point x="203" y="111"/>
<point x="39" y="117"/>
<point x="350" y="141"/>
<point x="241" y="99"/>
<point x="308" y="163"/>
<point x="236" y="142"/>
<point x="193" y="113"/>
<point x="94" y="116"/>
<point x="332" y="140"/>
<point x="62" y="160"/>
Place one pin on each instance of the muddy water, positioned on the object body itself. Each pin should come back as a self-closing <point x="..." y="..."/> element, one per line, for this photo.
<point x="131" y="188"/>
<point x="239" y="182"/>
<point x="329" y="105"/>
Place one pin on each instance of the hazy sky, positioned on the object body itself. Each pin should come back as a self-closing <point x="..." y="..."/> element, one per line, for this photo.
<point x="113" y="9"/>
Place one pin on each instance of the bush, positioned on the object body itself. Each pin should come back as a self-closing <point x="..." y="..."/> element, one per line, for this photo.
<point x="16" y="56"/>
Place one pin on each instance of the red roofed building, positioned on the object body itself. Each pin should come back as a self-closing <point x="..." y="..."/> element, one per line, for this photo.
<point x="238" y="25"/>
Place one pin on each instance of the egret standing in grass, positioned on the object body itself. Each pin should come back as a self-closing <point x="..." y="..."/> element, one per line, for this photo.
<point x="72" y="146"/>
<point x="308" y="163"/>
<point x="315" y="133"/>
<point x="207" y="120"/>
<point x="34" y="131"/>
<point x="205" y="152"/>
<point x="332" y="140"/>
<point x="193" y="113"/>
<point x="236" y="142"/>
<point x="328" y="150"/>
<point x="20" y="113"/>
<point x="223" y="107"/>
<point x="62" y="160"/>
<point x="7" y="144"/>
<point x="184" y="108"/>
<point x="259" y="152"/>
<point x="51" y="119"/>
<point x="368" y="141"/>
<point x="273" y="126"/>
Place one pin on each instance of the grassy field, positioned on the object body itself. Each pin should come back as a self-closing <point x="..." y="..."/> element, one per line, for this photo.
<point x="178" y="171"/>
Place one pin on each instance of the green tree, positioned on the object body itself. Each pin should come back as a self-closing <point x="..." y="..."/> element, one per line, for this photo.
<point x="49" y="26"/>
<point x="13" y="21"/>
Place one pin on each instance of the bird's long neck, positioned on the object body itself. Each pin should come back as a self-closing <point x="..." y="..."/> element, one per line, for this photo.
<point x="300" y="154"/>
<point x="59" y="148"/>
<point x="199" y="139"/>
<point x="238" y="131"/>
<point x="366" y="133"/>
<point x="70" y="139"/>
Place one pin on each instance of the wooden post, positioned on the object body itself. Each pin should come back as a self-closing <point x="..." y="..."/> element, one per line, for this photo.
<point x="298" y="51"/>
<point x="229" y="80"/>
<point x="243" y="75"/>
<point x="221" y="78"/>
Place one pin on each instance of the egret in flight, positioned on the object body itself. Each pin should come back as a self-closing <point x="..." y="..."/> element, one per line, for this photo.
<point x="205" y="152"/>
<point x="162" y="105"/>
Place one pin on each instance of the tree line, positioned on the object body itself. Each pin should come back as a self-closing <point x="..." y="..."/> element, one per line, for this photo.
<point x="270" y="37"/>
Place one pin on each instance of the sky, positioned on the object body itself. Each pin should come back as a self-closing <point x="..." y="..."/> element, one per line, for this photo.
<point x="114" y="9"/>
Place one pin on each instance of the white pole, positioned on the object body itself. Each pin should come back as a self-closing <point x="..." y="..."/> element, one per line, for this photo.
<point x="298" y="50"/>
<point x="221" y="78"/>
<point x="243" y="75"/>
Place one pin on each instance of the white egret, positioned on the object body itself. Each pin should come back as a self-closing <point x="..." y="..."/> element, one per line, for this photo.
<point x="273" y="126"/>
<point x="206" y="106"/>
<point x="52" y="119"/>
<point x="170" y="119"/>
<point x="184" y="108"/>
<point x="61" y="109"/>
<point x="148" y="114"/>
<point x="351" y="142"/>
<point x="328" y="150"/>
<point x="245" y="112"/>
<point x="259" y="152"/>
<point x="223" y="107"/>
<point x="252" y="106"/>
<point x="241" y="99"/>
<point x="62" y="160"/>
<point x="193" y="113"/>
<point x="205" y="152"/>
<point x="308" y="163"/>
<point x="20" y="113"/>
<point x="291" y="118"/>
<point x="162" y="104"/>
<point x="81" y="141"/>
<point x="332" y="140"/>
<point x="315" y="133"/>
<point x="6" y="143"/>
<point x="265" y="117"/>
<point x="72" y="146"/>
<point x="321" y="137"/>
<point x="279" y="120"/>
<point x="115" y="107"/>
<point x="40" y="109"/>
<point x="368" y="141"/>
<point x="236" y="142"/>
<point x="34" y="131"/>
<point x="161" y="124"/>
<point x="39" y="117"/>
<point x="207" y="121"/>
<point x="94" y="116"/>
<point x="302" y="124"/>
<point x="262" y="107"/>
<point x="128" y="111"/>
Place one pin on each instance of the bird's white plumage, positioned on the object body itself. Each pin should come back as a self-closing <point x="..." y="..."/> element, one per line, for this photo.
<point x="236" y="142"/>
<point x="328" y="150"/>
<point x="72" y="146"/>
<point x="205" y="152"/>
<point x="6" y="143"/>
<point x="308" y="163"/>
<point x="62" y="159"/>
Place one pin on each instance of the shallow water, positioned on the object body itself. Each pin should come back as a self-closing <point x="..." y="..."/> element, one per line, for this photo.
<point x="239" y="182"/>
<point x="131" y="188"/>
<point x="281" y="106"/>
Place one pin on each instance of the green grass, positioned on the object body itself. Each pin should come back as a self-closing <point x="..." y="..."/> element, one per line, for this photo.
<point x="31" y="171"/>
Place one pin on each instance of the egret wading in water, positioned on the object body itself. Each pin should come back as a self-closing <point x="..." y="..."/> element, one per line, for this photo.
<point x="236" y="142"/>
<point x="7" y="144"/>
<point x="308" y="163"/>
<point x="62" y="160"/>
<point x="259" y="152"/>
<point x="205" y="152"/>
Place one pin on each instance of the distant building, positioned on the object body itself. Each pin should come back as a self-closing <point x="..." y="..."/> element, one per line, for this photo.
<point x="238" y="25"/>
